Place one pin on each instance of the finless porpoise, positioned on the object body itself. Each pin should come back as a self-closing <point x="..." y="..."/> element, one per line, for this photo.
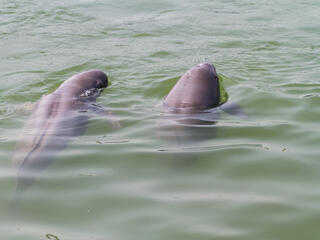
<point x="56" y="119"/>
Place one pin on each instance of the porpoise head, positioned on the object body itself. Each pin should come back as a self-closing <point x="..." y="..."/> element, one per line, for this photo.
<point x="88" y="83"/>
<point x="197" y="89"/>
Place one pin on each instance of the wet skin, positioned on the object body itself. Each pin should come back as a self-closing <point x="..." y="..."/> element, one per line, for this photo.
<point x="197" y="89"/>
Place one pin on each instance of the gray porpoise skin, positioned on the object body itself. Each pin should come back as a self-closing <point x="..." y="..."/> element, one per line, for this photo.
<point x="191" y="106"/>
<point x="56" y="118"/>
<point x="197" y="89"/>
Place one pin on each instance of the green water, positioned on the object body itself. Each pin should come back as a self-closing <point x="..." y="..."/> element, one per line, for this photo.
<point x="255" y="179"/>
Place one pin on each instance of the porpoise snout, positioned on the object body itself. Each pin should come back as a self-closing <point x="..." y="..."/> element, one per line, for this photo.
<point x="207" y="66"/>
<point x="197" y="89"/>
<point x="78" y="84"/>
<point x="100" y="76"/>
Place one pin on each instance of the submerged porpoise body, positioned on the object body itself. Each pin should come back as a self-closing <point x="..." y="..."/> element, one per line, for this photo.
<point x="57" y="118"/>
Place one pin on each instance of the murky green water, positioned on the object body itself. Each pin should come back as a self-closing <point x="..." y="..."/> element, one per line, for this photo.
<point x="255" y="179"/>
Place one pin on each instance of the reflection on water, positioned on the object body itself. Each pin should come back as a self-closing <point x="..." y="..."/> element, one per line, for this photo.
<point x="183" y="129"/>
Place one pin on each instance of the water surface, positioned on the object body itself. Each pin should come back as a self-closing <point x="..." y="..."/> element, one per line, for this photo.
<point x="254" y="179"/>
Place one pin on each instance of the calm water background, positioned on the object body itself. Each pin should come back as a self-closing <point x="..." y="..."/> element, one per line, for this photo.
<point x="255" y="179"/>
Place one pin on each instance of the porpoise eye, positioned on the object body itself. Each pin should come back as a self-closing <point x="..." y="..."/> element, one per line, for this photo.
<point x="98" y="84"/>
